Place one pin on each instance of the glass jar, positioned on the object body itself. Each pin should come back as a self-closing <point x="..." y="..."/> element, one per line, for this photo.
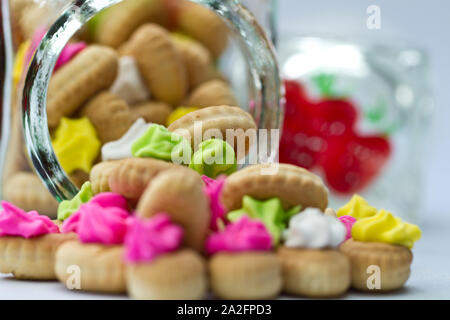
<point x="260" y="96"/>
<point x="360" y="112"/>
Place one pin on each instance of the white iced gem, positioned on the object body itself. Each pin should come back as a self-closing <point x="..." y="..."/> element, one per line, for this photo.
<point x="120" y="149"/>
<point x="312" y="229"/>
<point x="129" y="84"/>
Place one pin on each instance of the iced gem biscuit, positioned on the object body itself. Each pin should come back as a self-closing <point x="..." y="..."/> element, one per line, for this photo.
<point x="179" y="193"/>
<point x="192" y="20"/>
<point x="91" y="71"/>
<point x="25" y="190"/>
<point x="196" y="58"/>
<point x="383" y="241"/>
<point x="129" y="84"/>
<point x="109" y="114"/>
<point x="132" y="175"/>
<point x="28" y="242"/>
<point x="242" y="265"/>
<point x="158" y="62"/>
<point x="213" y="158"/>
<point x="117" y="24"/>
<point x="121" y="148"/>
<point x="291" y="184"/>
<point x="312" y="266"/>
<point x="214" y="122"/>
<point x="270" y="212"/>
<point x="212" y="93"/>
<point x="76" y="144"/>
<point x="101" y="227"/>
<point x="151" y="111"/>
<point x="153" y="264"/>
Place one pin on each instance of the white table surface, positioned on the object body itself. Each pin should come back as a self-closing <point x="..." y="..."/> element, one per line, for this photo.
<point x="430" y="278"/>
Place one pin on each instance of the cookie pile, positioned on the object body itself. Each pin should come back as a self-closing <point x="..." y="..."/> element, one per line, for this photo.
<point x="245" y="236"/>
<point x="162" y="214"/>
<point x="150" y="60"/>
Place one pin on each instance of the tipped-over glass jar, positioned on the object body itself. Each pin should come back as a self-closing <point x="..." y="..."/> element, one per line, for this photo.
<point x="89" y="81"/>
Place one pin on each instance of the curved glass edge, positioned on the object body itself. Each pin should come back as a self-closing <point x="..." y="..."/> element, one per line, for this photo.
<point x="5" y="85"/>
<point x="254" y="43"/>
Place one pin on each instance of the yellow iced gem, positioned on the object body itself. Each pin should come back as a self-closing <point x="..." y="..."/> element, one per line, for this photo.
<point x="357" y="207"/>
<point x="178" y="113"/>
<point x="76" y="144"/>
<point x="384" y="227"/>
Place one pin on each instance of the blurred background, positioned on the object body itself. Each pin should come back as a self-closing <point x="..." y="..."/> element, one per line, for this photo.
<point x="366" y="89"/>
<point x="421" y="23"/>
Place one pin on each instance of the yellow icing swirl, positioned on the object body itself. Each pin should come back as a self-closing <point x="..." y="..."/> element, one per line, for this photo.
<point x="76" y="144"/>
<point x="384" y="227"/>
<point x="358" y="208"/>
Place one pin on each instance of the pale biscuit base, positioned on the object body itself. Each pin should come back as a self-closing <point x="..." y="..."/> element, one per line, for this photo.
<point x="109" y="114"/>
<point x="132" y="176"/>
<point x="100" y="174"/>
<point x="215" y="122"/>
<point x="246" y="275"/>
<point x="292" y="184"/>
<point x="314" y="273"/>
<point x="212" y="93"/>
<point x="26" y="191"/>
<point x="92" y="70"/>
<point x="33" y="258"/>
<point x="101" y="268"/>
<point x="174" y="276"/>
<point x="121" y="20"/>
<point x="197" y="61"/>
<point x="159" y="63"/>
<point x="393" y="261"/>
<point x="179" y="193"/>
<point x="151" y="112"/>
<point x="204" y="25"/>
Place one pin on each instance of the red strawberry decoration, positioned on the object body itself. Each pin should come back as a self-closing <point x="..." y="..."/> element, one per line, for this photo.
<point x="321" y="135"/>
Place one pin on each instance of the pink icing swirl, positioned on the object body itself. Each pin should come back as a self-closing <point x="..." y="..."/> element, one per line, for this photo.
<point x="16" y="222"/>
<point x="213" y="189"/>
<point x="101" y="220"/>
<point x="242" y="235"/>
<point x="348" y="222"/>
<point x="147" y="239"/>
<point x="69" y="51"/>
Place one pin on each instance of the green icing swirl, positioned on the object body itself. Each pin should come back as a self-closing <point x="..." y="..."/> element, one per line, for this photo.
<point x="67" y="207"/>
<point x="159" y="143"/>
<point x="214" y="157"/>
<point x="270" y="212"/>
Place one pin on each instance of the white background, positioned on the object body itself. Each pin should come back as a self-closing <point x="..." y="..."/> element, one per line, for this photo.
<point x="425" y="23"/>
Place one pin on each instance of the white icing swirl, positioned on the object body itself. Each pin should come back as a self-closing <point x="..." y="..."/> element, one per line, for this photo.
<point x="129" y="84"/>
<point x="312" y="229"/>
<point x="120" y="149"/>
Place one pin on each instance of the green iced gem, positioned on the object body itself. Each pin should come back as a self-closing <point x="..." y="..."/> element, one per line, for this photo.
<point x="67" y="207"/>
